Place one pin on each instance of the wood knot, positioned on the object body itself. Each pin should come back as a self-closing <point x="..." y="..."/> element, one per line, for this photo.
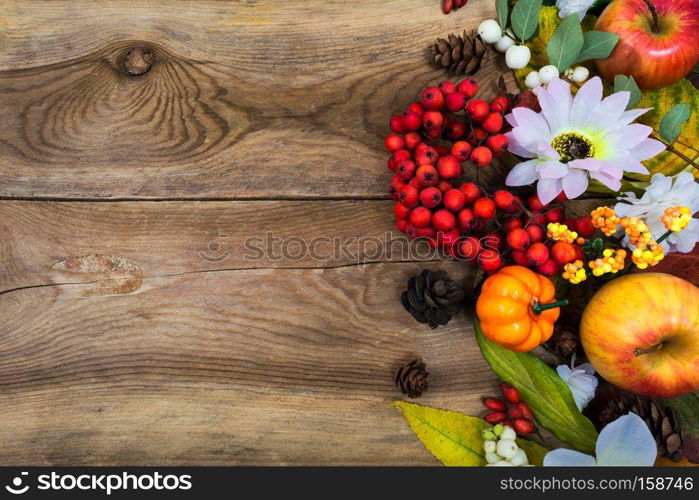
<point x="138" y="61"/>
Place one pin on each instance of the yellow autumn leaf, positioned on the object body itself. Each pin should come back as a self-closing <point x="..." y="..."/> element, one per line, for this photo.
<point x="454" y="438"/>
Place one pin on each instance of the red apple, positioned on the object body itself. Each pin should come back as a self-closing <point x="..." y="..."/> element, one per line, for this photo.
<point x="640" y="332"/>
<point x="657" y="50"/>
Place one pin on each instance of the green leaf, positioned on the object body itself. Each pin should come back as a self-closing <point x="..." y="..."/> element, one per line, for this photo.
<point x="628" y="83"/>
<point x="597" y="45"/>
<point x="686" y="410"/>
<point x="525" y="17"/>
<point x="671" y="124"/>
<point x="502" y="7"/>
<point x="454" y="438"/>
<point x="565" y="44"/>
<point x="543" y="390"/>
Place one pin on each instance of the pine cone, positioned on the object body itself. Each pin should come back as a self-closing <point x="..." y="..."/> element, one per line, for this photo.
<point x="464" y="54"/>
<point x="564" y="341"/>
<point x="663" y="425"/>
<point x="432" y="298"/>
<point x="411" y="379"/>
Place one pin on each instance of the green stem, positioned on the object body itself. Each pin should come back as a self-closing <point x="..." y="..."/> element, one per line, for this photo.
<point x="539" y="308"/>
<point x="663" y="237"/>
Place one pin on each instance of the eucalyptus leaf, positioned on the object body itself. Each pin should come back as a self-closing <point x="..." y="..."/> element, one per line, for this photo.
<point x="671" y="124"/>
<point x="542" y="389"/>
<point x="627" y="83"/>
<point x="597" y="45"/>
<point x="525" y="18"/>
<point x="502" y="7"/>
<point x="686" y="411"/>
<point x="566" y="43"/>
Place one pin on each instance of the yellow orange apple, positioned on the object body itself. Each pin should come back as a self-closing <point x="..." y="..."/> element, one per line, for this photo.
<point x="641" y="332"/>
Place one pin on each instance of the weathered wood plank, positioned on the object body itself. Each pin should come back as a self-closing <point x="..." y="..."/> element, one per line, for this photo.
<point x="284" y="366"/>
<point x="244" y="99"/>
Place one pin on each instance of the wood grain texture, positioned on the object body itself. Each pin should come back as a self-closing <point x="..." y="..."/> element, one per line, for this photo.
<point x="245" y="99"/>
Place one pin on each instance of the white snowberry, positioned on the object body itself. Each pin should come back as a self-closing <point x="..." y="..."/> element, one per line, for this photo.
<point x="517" y="56"/>
<point x="508" y="433"/>
<point x="580" y="74"/>
<point x="490" y="31"/>
<point x="532" y="80"/>
<point x="520" y="458"/>
<point x="505" y="41"/>
<point x="507" y="448"/>
<point x="489" y="446"/>
<point x="491" y="458"/>
<point x="548" y="73"/>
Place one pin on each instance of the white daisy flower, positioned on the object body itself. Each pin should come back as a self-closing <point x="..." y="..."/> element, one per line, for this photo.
<point x="575" y="139"/>
<point x="662" y="193"/>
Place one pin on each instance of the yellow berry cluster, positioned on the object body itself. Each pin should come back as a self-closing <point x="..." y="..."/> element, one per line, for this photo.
<point x="575" y="272"/>
<point x="605" y="219"/>
<point x="676" y="219"/>
<point x="647" y="255"/>
<point x="560" y="232"/>
<point x="612" y="261"/>
<point x="638" y="231"/>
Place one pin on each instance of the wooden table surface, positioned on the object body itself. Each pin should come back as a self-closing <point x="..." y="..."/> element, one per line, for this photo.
<point x="133" y="327"/>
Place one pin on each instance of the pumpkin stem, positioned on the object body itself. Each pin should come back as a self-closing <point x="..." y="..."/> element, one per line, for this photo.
<point x="539" y="308"/>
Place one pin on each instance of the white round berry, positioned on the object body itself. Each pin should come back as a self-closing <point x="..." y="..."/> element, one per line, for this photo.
<point x="508" y="433"/>
<point x="548" y="73"/>
<point x="505" y="42"/>
<point x="507" y="448"/>
<point x="580" y="74"/>
<point x="490" y="31"/>
<point x="520" y="458"/>
<point x="489" y="446"/>
<point x="491" y="458"/>
<point x="517" y="56"/>
<point x="501" y="463"/>
<point x="532" y="80"/>
<point x="536" y="91"/>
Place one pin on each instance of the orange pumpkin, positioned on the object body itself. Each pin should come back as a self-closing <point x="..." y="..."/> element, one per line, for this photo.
<point x="517" y="308"/>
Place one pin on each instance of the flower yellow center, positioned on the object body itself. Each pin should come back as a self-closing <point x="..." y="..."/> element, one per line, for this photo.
<point x="573" y="146"/>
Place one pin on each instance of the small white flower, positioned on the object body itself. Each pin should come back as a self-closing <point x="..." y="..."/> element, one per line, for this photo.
<point x="579" y="7"/>
<point x="664" y="192"/>
<point x="581" y="380"/>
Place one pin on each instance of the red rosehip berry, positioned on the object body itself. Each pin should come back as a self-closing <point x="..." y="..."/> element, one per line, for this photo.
<point x="427" y="175"/>
<point x="469" y="248"/>
<point x="411" y="121"/>
<point x="536" y="233"/>
<point x="444" y="185"/>
<point x="443" y="220"/>
<point x="420" y="216"/>
<point x="500" y="104"/>
<point x="583" y="226"/>
<point x="523" y="426"/>
<point x="494" y="417"/>
<point x="406" y="169"/>
<point x="492" y="123"/>
<point x="461" y="150"/>
<point x="518" y="239"/>
<point x="430" y="197"/>
<point x="455" y="102"/>
<point x="448" y="239"/>
<point x="432" y="99"/>
<point x="526" y="412"/>
<point x="514" y="412"/>
<point x="467" y="219"/>
<point x="493" y="241"/>
<point x="548" y="268"/>
<point x="447" y="87"/>
<point x="497" y="144"/>
<point x="468" y="87"/>
<point x="537" y="254"/>
<point x="401" y="211"/>
<point x="534" y="203"/>
<point x="416" y="108"/>
<point x="520" y="258"/>
<point x="555" y="215"/>
<point x="432" y="120"/>
<point x="476" y="137"/>
<point x="490" y="261"/>
<point x="481" y="156"/>
<point x="484" y="208"/>
<point x="511" y="394"/>
<point x="449" y="167"/>
<point x="563" y="252"/>
<point x="454" y="200"/>
<point x="394" y="142"/>
<point x="412" y="139"/>
<point x="511" y="223"/>
<point x="396" y="124"/>
<point x="402" y="225"/>
<point x="408" y="196"/>
<point x="454" y="129"/>
<point x="503" y="198"/>
<point x="425" y="154"/>
<point x="472" y="192"/>
<point x="494" y="404"/>
<point x="478" y="110"/>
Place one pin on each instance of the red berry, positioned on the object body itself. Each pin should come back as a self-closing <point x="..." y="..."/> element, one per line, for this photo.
<point x="406" y="169"/>
<point x="579" y="254"/>
<point x="536" y="233"/>
<point x="514" y="412"/>
<point x="534" y="203"/>
<point x="467" y="219"/>
<point x="432" y="120"/>
<point x="396" y="124"/>
<point x="523" y="426"/>
<point x="478" y="110"/>
<point x="401" y="211"/>
<point x="548" y="268"/>
<point x="448" y="238"/>
<point x="432" y="98"/>
<point x="412" y="139"/>
<point x="402" y="225"/>
<point x="426" y="232"/>
<point x="511" y="223"/>
<point x="443" y="220"/>
<point x="497" y="144"/>
<point x="470" y="247"/>
<point x="443" y="150"/>
<point x="395" y="188"/>
<point x="520" y="258"/>
<point x="555" y="215"/>
<point x="449" y="167"/>
<point x="489" y="260"/>
<point x="484" y="208"/>
<point x="417" y="108"/>
<point x="411" y="231"/>
<point x="454" y="129"/>
<point x="472" y="192"/>
<point x="526" y="412"/>
<point x="563" y="252"/>
<point x="537" y="254"/>
<point x="411" y="121"/>
<point x="447" y="87"/>
<point x="515" y="207"/>
<point x="402" y="155"/>
<point x="427" y="175"/>
<point x="481" y="156"/>
<point x="476" y="137"/>
<point x="409" y="196"/>
<point x="454" y="200"/>
<point x="444" y="186"/>
<point x="500" y="104"/>
<point x="394" y="142"/>
<point x="415" y="183"/>
<point x="468" y="87"/>
<point x="425" y="154"/>
<point x="392" y="163"/>
<point x="511" y="394"/>
<point x="461" y="150"/>
<point x="503" y="198"/>
<point x="493" y="241"/>
<point x="430" y="197"/>
<point x="584" y="227"/>
<point x="420" y="216"/>
<point x="540" y="219"/>
<point x="455" y="102"/>
<point x="492" y="123"/>
<point x="518" y="239"/>
<point x="494" y="404"/>
<point x="494" y="417"/>
<point x="561" y="197"/>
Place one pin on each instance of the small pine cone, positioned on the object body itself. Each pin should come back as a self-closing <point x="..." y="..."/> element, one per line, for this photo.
<point x="411" y="379"/>
<point x="432" y="298"/>
<point x="564" y="341"/>
<point x="465" y="54"/>
<point x="662" y="424"/>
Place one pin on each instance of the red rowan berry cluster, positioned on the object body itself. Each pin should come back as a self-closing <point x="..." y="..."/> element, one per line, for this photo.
<point x="449" y="5"/>
<point x="510" y="411"/>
